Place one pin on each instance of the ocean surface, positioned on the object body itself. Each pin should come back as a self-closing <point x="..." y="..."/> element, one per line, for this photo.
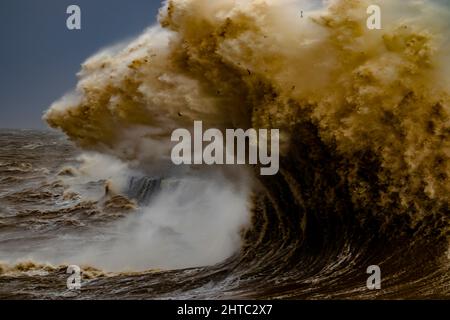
<point x="281" y="256"/>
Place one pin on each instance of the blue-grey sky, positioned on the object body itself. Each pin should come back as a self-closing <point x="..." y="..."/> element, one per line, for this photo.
<point x="39" y="56"/>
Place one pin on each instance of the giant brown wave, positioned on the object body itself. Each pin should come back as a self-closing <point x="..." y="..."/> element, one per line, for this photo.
<point x="364" y="122"/>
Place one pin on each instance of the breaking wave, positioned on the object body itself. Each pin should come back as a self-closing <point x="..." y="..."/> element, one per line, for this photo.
<point x="365" y="152"/>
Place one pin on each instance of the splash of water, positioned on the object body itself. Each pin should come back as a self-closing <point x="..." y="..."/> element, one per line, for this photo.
<point x="379" y="99"/>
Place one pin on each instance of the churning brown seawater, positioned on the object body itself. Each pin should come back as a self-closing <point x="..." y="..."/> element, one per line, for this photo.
<point x="364" y="121"/>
